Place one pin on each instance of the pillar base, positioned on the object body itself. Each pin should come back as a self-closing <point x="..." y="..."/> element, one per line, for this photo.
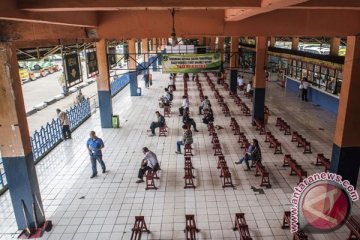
<point x="258" y="104"/>
<point x="345" y="162"/>
<point x="105" y="106"/>
<point x="24" y="191"/>
<point x="233" y="80"/>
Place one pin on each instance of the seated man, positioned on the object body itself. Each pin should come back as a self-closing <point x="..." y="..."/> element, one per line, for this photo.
<point x="249" y="89"/>
<point x="149" y="162"/>
<point x="185" y="105"/>
<point x="189" y="121"/>
<point x="209" y="116"/>
<point x="166" y="98"/>
<point x="187" y="139"/>
<point x="252" y="153"/>
<point x="204" y="105"/>
<point x="159" y="123"/>
<point x="240" y="82"/>
<point x="171" y="84"/>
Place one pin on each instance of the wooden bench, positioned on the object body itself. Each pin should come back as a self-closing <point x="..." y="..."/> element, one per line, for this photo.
<point x="321" y="160"/>
<point x="167" y="111"/>
<point x="300" y="235"/>
<point x="242" y="227"/>
<point x="190" y="227"/>
<point x="260" y="126"/>
<point x="163" y="131"/>
<point x="286" y="220"/>
<point x="245" y="109"/>
<point x="238" y="100"/>
<point x="217" y="149"/>
<point x="138" y="228"/>
<point x="226" y="86"/>
<point x="226" y="110"/>
<point x="227" y="181"/>
<point x="354" y="225"/>
<point x="221" y="160"/>
<point x="274" y="143"/>
<point x="187" y="150"/>
<point x="296" y="137"/>
<point x="150" y="179"/>
<point x="296" y="169"/>
<point x="189" y="182"/>
<point x="188" y="162"/>
<point x="261" y="171"/>
<point x="236" y="129"/>
<point x="211" y="128"/>
<point x="214" y="138"/>
<point x="287" y="158"/>
<point x="283" y="126"/>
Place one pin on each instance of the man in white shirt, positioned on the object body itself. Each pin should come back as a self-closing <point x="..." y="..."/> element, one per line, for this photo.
<point x="306" y="85"/>
<point x="204" y="105"/>
<point x="240" y="81"/>
<point x="149" y="162"/>
<point x="185" y="105"/>
<point x="249" y="87"/>
<point x="65" y="124"/>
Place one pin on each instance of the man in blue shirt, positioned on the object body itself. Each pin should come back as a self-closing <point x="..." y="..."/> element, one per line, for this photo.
<point x="94" y="145"/>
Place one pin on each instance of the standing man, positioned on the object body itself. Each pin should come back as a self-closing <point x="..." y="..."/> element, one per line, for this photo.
<point x="65" y="124"/>
<point x="149" y="161"/>
<point x="187" y="139"/>
<point x="94" y="145"/>
<point x="305" y="89"/>
<point x="159" y="123"/>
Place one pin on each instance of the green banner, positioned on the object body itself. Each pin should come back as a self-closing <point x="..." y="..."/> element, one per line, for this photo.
<point x="190" y="63"/>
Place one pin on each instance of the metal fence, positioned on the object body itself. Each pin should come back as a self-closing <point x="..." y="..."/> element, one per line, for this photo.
<point x="119" y="83"/>
<point x="50" y="135"/>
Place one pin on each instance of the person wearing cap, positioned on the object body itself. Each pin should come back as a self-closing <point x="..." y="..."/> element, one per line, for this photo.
<point x="149" y="162"/>
<point x="159" y="123"/>
<point x="65" y="124"/>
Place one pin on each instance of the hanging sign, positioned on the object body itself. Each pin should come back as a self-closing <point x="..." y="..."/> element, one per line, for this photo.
<point x="190" y="63"/>
<point x="92" y="64"/>
<point x="72" y="68"/>
<point x="112" y="56"/>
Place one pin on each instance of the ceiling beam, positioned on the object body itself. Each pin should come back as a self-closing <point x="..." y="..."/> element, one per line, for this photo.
<point x="328" y="4"/>
<point x="25" y="31"/>
<point x="76" y="5"/>
<point x="266" y="6"/>
<point x="9" y="11"/>
<point x="298" y="22"/>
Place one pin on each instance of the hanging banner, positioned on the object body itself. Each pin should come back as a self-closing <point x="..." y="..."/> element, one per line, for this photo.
<point x="92" y="65"/>
<point x="190" y="63"/>
<point x="72" y="68"/>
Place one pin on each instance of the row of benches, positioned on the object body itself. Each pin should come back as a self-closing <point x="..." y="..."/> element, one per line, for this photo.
<point x="225" y="173"/>
<point x="189" y="176"/>
<point x="244" y="143"/>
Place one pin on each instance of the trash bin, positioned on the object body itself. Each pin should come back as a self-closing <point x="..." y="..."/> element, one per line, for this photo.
<point x="138" y="91"/>
<point x="115" y="121"/>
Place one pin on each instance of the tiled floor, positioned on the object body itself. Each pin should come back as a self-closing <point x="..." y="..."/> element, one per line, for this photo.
<point x="104" y="208"/>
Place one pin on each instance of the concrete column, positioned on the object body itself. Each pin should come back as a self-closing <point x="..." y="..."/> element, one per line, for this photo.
<point x="346" y="148"/>
<point x="132" y="68"/>
<point x="154" y="45"/>
<point x="15" y="144"/>
<point x="153" y="60"/>
<point x="334" y="46"/>
<point x="103" y="85"/>
<point x="295" y="43"/>
<point x="272" y="41"/>
<point x="259" y="83"/>
<point x="145" y="52"/>
<point x="234" y="62"/>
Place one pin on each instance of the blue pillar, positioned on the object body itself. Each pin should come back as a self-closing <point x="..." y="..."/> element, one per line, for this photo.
<point x="345" y="162"/>
<point x="15" y="144"/>
<point x="233" y="80"/>
<point x="133" y="83"/>
<point x="105" y="106"/>
<point x="24" y="190"/>
<point x="103" y="85"/>
<point x="258" y="104"/>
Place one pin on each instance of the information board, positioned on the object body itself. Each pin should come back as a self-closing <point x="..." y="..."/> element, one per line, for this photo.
<point x="92" y="64"/>
<point x="72" y="68"/>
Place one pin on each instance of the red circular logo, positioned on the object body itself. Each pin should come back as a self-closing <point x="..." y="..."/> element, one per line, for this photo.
<point x="325" y="206"/>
